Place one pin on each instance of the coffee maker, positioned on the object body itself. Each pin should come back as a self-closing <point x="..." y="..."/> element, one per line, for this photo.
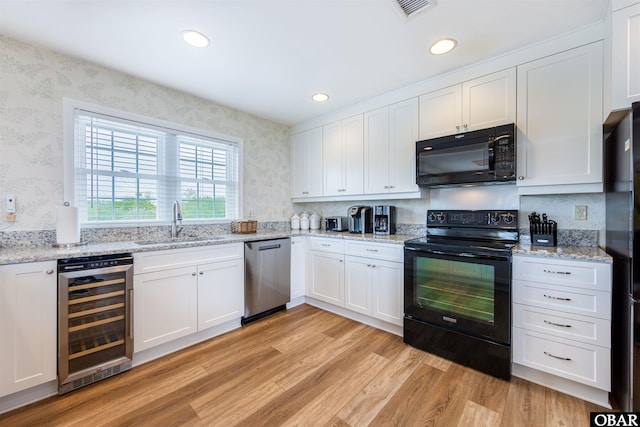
<point x="360" y="219"/>
<point x="384" y="219"/>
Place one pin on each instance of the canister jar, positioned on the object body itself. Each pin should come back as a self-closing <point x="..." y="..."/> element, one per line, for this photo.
<point x="295" y="222"/>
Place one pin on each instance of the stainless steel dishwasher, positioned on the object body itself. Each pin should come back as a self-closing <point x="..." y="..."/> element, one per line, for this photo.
<point x="267" y="280"/>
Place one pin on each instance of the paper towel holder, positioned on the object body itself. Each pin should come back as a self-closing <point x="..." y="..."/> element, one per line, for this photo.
<point x="69" y="245"/>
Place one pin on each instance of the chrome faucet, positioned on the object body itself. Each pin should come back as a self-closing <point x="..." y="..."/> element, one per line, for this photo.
<point x="177" y="216"/>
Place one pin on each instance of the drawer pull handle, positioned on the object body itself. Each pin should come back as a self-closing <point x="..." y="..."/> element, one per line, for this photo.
<point x="372" y="250"/>
<point x="326" y="245"/>
<point x="557" y="298"/>
<point x="557" y="357"/>
<point x="556" y="324"/>
<point x="556" y="272"/>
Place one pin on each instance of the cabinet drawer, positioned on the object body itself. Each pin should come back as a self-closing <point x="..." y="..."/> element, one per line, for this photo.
<point x="589" y="330"/>
<point x="146" y="262"/>
<point x="381" y="251"/>
<point x="581" y="274"/>
<point x="586" y="302"/>
<point x="327" y="245"/>
<point x="584" y="363"/>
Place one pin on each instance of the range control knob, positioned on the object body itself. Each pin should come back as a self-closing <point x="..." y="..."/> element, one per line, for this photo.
<point x="440" y="217"/>
<point x="431" y="217"/>
<point x="494" y="217"/>
<point x="508" y="218"/>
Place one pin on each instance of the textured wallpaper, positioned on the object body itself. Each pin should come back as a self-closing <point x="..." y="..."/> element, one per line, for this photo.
<point x="33" y="83"/>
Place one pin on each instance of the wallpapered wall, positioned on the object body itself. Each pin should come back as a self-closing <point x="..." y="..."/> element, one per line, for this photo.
<point x="33" y="83"/>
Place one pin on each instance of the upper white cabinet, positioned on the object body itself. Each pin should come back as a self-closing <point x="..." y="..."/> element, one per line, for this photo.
<point x="559" y="123"/>
<point x="390" y="134"/>
<point x="28" y="322"/>
<point x="475" y="104"/>
<point x="625" y="34"/>
<point x="306" y="163"/>
<point x="342" y="157"/>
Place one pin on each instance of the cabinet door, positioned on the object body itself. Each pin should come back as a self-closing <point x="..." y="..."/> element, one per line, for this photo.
<point x="165" y="306"/>
<point x="28" y="320"/>
<point x="332" y="159"/>
<point x="625" y="33"/>
<point x="306" y="163"/>
<point x="559" y="122"/>
<point x="489" y="100"/>
<point x="403" y="132"/>
<point x="220" y="292"/>
<point x="441" y="112"/>
<point x="298" y="266"/>
<point x="326" y="279"/>
<point x="353" y="152"/>
<point x="376" y="151"/>
<point x="388" y="291"/>
<point x="342" y="147"/>
<point x="357" y="284"/>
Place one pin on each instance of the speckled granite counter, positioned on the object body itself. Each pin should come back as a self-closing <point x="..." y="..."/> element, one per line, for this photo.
<point x="47" y="253"/>
<point x="584" y="253"/>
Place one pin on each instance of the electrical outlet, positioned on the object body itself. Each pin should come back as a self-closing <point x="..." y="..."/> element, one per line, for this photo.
<point x="580" y="212"/>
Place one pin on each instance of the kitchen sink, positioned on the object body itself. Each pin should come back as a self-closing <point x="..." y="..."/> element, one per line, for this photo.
<point x="177" y="240"/>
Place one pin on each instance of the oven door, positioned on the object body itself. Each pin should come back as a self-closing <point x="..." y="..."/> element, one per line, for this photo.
<point x="466" y="292"/>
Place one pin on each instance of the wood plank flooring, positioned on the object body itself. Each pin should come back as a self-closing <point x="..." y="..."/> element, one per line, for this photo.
<point x="305" y="367"/>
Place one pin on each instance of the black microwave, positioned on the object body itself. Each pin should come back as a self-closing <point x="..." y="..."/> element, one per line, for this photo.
<point x="476" y="157"/>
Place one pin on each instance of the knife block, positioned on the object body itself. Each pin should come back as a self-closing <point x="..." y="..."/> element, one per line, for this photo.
<point x="544" y="234"/>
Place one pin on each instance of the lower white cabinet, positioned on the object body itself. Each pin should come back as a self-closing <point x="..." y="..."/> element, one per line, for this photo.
<point x="360" y="276"/>
<point x="374" y="287"/>
<point x="326" y="277"/>
<point x="561" y="334"/>
<point x="28" y="325"/>
<point x="203" y="287"/>
<point x="298" y="266"/>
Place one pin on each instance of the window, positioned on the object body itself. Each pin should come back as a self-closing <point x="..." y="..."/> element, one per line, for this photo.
<point x="132" y="170"/>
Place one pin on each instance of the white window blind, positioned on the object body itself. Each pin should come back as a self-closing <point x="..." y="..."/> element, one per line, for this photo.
<point x="132" y="171"/>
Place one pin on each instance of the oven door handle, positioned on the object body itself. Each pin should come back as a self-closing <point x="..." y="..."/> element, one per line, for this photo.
<point x="463" y="254"/>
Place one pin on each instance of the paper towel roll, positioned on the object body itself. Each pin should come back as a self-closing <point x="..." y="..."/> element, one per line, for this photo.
<point x="67" y="225"/>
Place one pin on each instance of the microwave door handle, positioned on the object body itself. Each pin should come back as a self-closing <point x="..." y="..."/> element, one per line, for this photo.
<point x="492" y="156"/>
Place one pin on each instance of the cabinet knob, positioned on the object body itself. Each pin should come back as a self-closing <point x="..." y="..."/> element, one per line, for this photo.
<point x="50" y="271"/>
<point x="465" y="126"/>
<point x="458" y="128"/>
<point x="193" y="274"/>
<point x="201" y="273"/>
<point x="521" y="177"/>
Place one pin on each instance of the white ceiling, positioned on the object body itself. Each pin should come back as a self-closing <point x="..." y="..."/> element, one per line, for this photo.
<point x="267" y="57"/>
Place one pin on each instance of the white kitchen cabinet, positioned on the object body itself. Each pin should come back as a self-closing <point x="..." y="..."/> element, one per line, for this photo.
<point x="472" y="105"/>
<point x="390" y="134"/>
<point x="298" y="266"/>
<point x="28" y="325"/>
<point x="220" y="292"/>
<point x="165" y="306"/>
<point x="562" y="325"/>
<point x="342" y="157"/>
<point x="374" y="287"/>
<point x="306" y="163"/>
<point x="625" y="73"/>
<point x="559" y="139"/>
<point x="374" y="282"/>
<point x="178" y="292"/>
<point x="326" y="270"/>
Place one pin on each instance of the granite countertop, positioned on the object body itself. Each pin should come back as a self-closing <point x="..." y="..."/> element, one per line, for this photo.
<point x="48" y="253"/>
<point x="584" y="253"/>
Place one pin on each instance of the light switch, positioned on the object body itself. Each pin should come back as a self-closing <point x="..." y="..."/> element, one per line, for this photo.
<point x="11" y="204"/>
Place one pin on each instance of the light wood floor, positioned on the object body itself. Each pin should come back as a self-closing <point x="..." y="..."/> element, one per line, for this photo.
<point x="305" y="367"/>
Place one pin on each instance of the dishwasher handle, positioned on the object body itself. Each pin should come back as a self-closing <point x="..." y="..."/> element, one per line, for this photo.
<point x="266" y="248"/>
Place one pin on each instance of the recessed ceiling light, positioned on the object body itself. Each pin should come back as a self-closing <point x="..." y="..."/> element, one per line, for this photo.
<point x="320" y="97"/>
<point x="195" y="38"/>
<point x="443" y="46"/>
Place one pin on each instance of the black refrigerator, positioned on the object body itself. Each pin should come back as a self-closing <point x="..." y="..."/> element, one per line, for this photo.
<point x="622" y="180"/>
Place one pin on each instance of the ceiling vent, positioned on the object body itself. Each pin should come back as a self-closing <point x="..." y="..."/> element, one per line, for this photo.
<point x="413" y="7"/>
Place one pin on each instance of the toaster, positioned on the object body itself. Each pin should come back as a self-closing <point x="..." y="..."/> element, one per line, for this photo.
<point x="336" y="223"/>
